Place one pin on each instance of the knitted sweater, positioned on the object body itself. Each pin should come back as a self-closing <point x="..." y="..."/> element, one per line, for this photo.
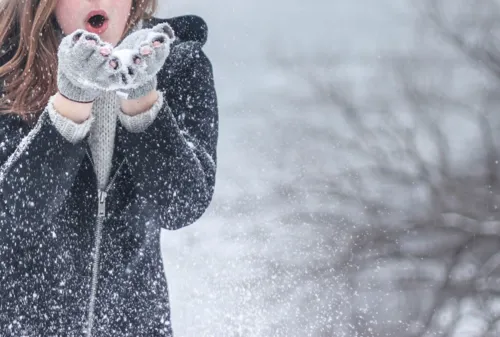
<point x="101" y="124"/>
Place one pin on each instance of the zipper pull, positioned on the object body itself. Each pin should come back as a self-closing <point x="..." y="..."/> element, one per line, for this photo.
<point x="101" y="209"/>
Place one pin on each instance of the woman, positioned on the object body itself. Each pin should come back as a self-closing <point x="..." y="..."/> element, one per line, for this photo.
<point x="108" y="133"/>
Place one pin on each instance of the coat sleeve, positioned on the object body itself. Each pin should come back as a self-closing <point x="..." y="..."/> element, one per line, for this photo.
<point x="173" y="161"/>
<point x="37" y="168"/>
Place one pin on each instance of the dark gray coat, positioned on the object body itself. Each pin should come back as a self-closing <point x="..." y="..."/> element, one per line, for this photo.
<point x="51" y="236"/>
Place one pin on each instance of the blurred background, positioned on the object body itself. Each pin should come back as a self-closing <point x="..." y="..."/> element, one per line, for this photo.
<point x="358" y="172"/>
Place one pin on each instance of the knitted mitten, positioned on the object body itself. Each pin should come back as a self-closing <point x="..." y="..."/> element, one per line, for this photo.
<point x="85" y="66"/>
<point x="141" y="55"/>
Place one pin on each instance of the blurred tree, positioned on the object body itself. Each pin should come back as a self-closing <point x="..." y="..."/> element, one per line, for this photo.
<point x="418" y="199"/>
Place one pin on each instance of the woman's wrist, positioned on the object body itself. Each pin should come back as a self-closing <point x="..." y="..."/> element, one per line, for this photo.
<point x="77" y="112"/>
<point x="134" y="107"/>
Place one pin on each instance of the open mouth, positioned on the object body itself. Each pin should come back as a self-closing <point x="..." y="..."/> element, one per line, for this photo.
<point x="97" y="21"/>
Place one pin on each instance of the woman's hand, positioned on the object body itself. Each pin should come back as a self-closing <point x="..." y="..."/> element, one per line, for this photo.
<point x="86" y="67"/>
<point x="140" y="57"/>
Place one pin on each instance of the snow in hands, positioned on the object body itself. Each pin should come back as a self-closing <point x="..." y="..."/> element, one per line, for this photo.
<point x="130" y="65"/>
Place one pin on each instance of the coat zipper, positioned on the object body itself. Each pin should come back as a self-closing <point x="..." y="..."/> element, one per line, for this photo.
<point x="101" y="215"/>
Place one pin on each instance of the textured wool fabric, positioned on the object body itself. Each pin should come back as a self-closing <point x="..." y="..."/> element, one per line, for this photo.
<point x="101" y="127"/>
<point x="141" y="76"/>
<point x="140" y="122"/>
<point x="72" y="131"/>
<point x="102" y="135"/>
<point x="83" y="72"/>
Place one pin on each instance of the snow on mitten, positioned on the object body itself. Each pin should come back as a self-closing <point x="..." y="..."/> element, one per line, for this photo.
<point x="85" y="66"/>
<point x="141" y="55"/>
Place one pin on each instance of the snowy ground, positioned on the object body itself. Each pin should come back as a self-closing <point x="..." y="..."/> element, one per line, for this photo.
<point x="239" y="271"/>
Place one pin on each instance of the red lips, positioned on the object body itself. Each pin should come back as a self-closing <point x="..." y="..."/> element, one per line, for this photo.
<point x="97" y="21"/>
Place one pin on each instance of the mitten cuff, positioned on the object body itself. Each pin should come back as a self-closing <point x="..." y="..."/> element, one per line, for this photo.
<point x="140" y="122"/>
<point x="74" y="93"/>
<point x="72" y="131"/>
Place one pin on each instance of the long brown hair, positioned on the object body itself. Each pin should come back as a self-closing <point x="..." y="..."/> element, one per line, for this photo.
<point x="29" y="38"/>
